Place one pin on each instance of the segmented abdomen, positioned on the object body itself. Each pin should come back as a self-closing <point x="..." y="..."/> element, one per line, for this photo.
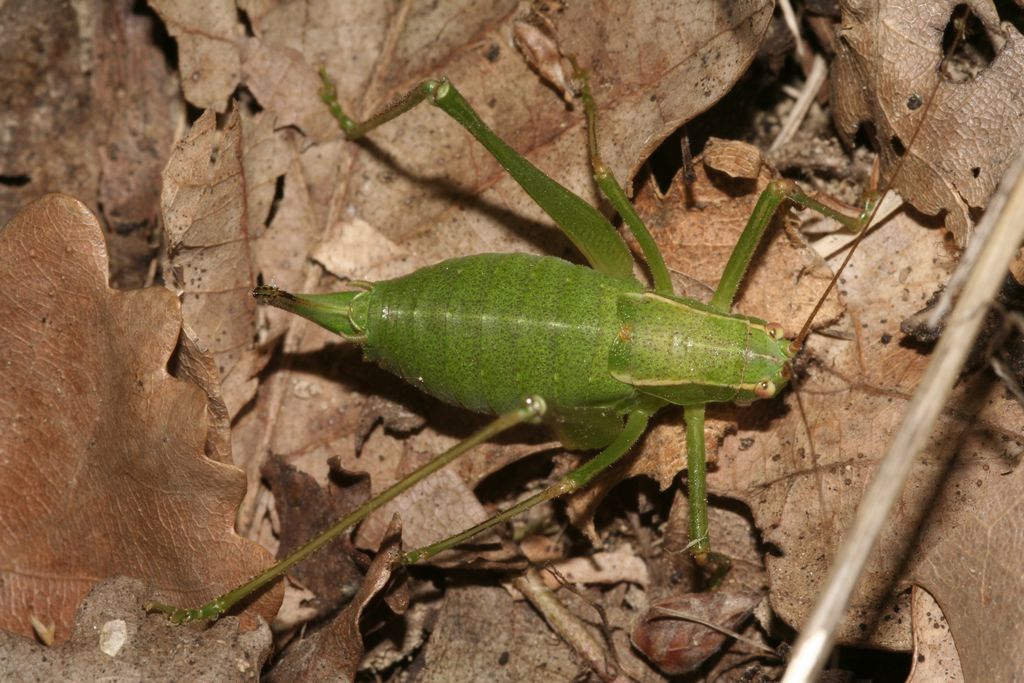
<point x="487" y="330"/>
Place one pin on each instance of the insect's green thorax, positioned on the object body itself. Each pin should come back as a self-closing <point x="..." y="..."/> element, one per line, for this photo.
<point x="689" y="354"/>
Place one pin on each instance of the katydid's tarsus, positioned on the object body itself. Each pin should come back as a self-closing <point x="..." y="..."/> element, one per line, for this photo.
<point x="614" y="351"/>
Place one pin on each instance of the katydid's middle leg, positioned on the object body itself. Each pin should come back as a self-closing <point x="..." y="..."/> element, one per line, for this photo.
<point x="612" y="190"/>
<point x="635" y="426"/>
<point x="714" y="565"/>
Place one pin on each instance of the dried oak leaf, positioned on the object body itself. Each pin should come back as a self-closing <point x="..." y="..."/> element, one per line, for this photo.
<point x="103" y="469"/>
<point x="951" y="141"/>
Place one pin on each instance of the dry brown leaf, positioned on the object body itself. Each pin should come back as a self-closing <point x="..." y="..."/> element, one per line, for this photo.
<point x="218" y="187"/>
<point x="970" y="552"/>
<point x="208" y="35"/>
<point x="672" y="632"/>
<point x="952" y="141"/>
<point x="304" y="509"/>
<point x="803" y="497"/>
<point x="104" y="469"/>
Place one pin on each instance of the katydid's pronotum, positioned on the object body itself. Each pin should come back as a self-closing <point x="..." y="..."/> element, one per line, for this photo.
<point x="613" y="353"/>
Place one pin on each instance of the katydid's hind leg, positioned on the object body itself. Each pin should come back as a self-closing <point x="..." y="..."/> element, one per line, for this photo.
<point x="635" y="426"/>
<point x="585" y="226"/>
<point x="616" y="195"/>
<point x="531" y="410"/>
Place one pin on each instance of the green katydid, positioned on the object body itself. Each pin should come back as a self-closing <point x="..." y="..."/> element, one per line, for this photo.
<point x="614" y="352"/>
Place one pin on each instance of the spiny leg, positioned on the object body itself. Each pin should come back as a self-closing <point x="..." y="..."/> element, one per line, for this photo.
<point x="584" y="225"/>
<point x="635" y="426"/>
<point x="532" y="409"/>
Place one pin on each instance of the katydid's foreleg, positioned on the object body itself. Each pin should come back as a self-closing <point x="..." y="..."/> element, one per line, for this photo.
<point x="532" y="409"/>
<point x="635" y="426"/>
<point x="777" y="192"/>
<point x="585" y="226"/>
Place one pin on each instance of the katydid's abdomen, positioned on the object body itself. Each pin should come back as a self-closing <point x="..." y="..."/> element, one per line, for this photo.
<point x="485" y="331"/>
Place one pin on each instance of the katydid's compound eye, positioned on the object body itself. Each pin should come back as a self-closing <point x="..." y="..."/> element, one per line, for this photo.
<point x="765" y="389"/>
<point x="774" y="330"/>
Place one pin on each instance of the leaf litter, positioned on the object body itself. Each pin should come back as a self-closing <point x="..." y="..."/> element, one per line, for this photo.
<point x="421" y="191"/>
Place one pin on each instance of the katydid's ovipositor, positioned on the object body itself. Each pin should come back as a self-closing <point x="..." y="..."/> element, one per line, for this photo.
<point x="591" y="351"/>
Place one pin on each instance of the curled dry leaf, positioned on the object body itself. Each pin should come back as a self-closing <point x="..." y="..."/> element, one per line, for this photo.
<point x="952" y="141"/>
<point x="334" y="652"/>
<point x="103" y="466"/>
<point x="673" y="633"/>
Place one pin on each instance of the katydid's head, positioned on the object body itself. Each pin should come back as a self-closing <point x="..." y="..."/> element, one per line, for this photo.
<point x="767" y="369"/>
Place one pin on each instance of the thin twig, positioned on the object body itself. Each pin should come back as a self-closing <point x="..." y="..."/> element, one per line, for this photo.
<point x="567" y="625"/>
<point x="789" y="16"/>
<point x="815" y="79"/>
